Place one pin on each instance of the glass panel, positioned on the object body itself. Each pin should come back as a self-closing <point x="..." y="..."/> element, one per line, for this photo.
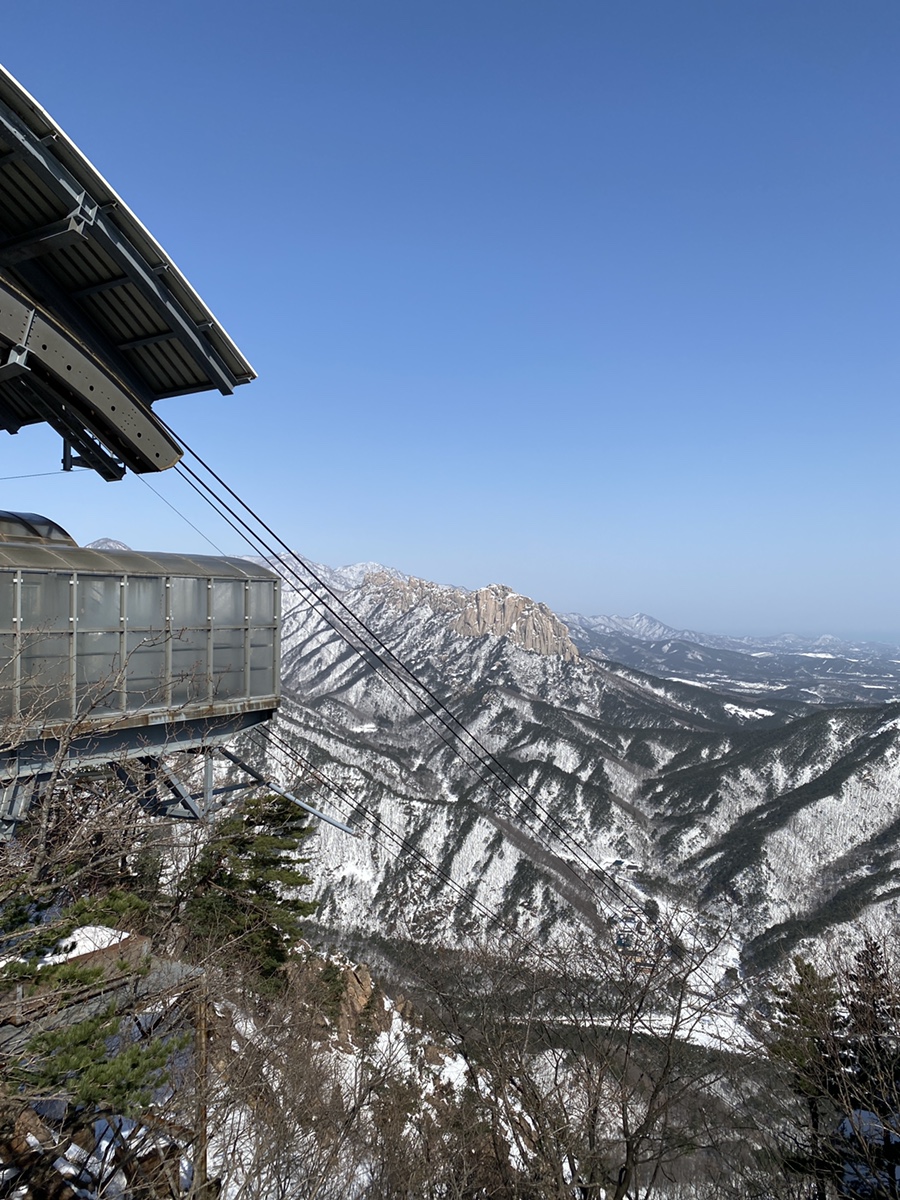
<point x="189" y="666"/>
<point x="228" y="602"/>
<point x="98" y="602"/>
<point x="228" y="662"/>
<point x="262" y="603"/>
<point x="7" y="659"/>
<point x="97" y="672"/>
<point x="7" y="599"/>
<point x="46" y="692"/>
<point x="14" y="530"/>
<point x="187" y="598"/>
<point x="262" y="662"/>
<point x="263" y="639"/>
<point x="48" y="529"/>
<point x="145" y="670"/>
<point x="7" y="673"/>
<point x="144" y="603"/>
<point x="45" y="602"/>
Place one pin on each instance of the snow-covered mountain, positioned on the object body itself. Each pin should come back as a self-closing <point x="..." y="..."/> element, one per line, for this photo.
<point x="649" y="629"/>
<point x="639" y="626"/>
<point x="813" y="670"/>
<point x="106" y="544"/>
<point x="779" y="817"/>
<point x="817" y="670"/>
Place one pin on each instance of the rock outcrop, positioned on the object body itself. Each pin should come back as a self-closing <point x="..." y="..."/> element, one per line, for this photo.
<point x="499" y="610"/>
<point x="496" y="610"/>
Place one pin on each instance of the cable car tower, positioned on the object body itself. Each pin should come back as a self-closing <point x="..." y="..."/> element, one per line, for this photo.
<point x="110" y="659"/>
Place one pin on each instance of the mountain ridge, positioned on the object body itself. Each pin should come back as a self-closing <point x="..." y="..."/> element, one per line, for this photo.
<point x="684" y="793"/>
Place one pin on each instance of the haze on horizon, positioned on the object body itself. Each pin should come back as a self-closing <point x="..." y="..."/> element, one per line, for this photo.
<point x="599" y="301"/>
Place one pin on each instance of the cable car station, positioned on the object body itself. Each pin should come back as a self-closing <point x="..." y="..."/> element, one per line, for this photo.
<point x="111" y="658"/>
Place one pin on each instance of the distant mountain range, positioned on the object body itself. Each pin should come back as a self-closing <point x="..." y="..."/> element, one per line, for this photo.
<point x="755" y="779"/>
<point x="816" y="670"/>
<point x="649" y="629"/>
<point x="813" y="670"/>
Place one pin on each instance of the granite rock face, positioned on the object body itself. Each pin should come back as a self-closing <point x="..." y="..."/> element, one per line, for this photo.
<point x="496" y="610"/>
<point x="499" y="610"/>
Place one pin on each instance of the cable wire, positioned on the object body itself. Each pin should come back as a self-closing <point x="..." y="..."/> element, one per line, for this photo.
<point x="401" y="848"/>
<point x="41" y="475"/>
<point x="434" y="707"/>
<point x="178" y="513"/>
<point x="366" y="642"/>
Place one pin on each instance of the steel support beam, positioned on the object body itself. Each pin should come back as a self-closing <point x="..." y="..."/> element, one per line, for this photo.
<point x="42" y="241"/>
<point x="145" y="276"/>
<point x="150" y="340"/>
<point x="81" y="395"/>
<point x="105" y="285"/>
<point x="261" y="779"/>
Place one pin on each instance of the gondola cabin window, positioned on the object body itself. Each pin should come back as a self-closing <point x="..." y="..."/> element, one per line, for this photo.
<point x="89" y="644"/>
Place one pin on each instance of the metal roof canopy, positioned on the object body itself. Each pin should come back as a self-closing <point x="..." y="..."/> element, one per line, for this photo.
<point x="96" y="321"/>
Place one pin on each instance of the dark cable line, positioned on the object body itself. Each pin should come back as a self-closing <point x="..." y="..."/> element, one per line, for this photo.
<point x="481" y="754"/>
<point x="401" y="849"/>
<point x="343" y="800"/>
<point x="159" y="496"/>
<point x="349" y="635"/>
<point x="527" y="802"/>
<point x="40" y="475"/>
<point x="402" y="846"/>
<point x="289" y="576"/>
<point x="483" y="757"/>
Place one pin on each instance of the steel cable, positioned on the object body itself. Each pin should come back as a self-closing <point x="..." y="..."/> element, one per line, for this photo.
<point x="401" y="679"/>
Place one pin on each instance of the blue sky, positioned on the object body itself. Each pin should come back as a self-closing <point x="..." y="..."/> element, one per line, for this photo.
<point x="599" y="300"/>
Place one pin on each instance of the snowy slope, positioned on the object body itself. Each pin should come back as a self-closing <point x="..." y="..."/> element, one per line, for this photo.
<point x="778" y="816"/>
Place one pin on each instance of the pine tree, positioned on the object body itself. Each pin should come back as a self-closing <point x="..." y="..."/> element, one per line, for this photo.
<point x="871" y="1056"/>
<point x="74" y="1046"/>
<point x="839" y="1037"/>
<point x="242" y="895"/>
<point x="806" y="1031"/>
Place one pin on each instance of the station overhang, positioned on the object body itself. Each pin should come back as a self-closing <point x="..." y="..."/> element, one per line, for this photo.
<point x="96" y="321"/>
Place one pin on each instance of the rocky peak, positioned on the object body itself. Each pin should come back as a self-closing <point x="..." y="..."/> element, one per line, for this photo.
<point x="106" y="544"/>
<point x="404" y="592"/>
<point x="495" y="609"/>
<point x="499" y="610"/>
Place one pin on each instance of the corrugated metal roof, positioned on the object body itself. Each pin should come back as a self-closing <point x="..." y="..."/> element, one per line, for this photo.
<point x="41" y="203"/>
<point x="71" y="246"/>
<point x="35" y="557"/>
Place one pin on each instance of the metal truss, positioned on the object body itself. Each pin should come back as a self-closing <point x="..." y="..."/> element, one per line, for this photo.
<point x="158" y="788"/>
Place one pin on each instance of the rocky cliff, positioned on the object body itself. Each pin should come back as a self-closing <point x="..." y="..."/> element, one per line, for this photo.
<point x="495" y="610"/>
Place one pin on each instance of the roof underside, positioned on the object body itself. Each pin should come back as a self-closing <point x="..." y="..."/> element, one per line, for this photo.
<point x="73" y="253"/>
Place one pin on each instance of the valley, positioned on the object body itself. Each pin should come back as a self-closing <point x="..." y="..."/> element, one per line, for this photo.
<point x="714" y="786"/>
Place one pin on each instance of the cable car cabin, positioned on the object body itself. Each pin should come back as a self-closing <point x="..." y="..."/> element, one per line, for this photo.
<point x="107" y="653"/>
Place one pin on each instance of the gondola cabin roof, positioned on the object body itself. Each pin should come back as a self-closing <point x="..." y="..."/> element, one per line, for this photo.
<point x="45" y="557"/>
<point x="109" y="656"/>
<point x="30" y="528"/>
<point x="35" y="543"/>
<point x="96" y="321"/>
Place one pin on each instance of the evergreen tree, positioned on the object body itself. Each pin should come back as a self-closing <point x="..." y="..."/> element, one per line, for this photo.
<point x="872" y="1060"/>
<point x="74" y="1047"/>
<point x="806" y="1039"/>
<point x="839" y="1037"/>
<point x="242" y="890"/>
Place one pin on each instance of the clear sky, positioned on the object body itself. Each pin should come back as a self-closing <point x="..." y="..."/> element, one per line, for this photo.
<point x="597" y="299"/>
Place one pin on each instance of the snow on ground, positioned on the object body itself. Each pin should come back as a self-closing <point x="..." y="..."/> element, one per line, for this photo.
<point x="737" y="711"/>
<point x="85" y="940"/>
